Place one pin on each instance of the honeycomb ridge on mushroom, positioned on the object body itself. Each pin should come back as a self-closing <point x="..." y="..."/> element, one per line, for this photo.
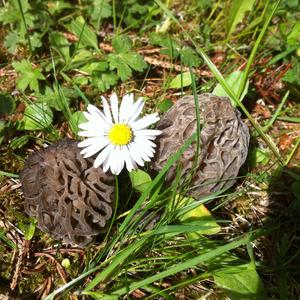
<point x="224" y="141"/>
<point x="70" y="198"/>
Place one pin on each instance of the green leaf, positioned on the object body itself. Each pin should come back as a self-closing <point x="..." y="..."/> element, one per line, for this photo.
<point x="125" y="62"/>
<point x="29" y="76"/>
<point x="10" y="13"/>
<point x="294" y="37"/>
<point x="136" y="12"/>
<point x="28" y="229"/>
<point x="61" y="45"/>
<point x="181" y="80"/>
<point x="37" y="116"/>
<point x="99" y="66"/>
<point x="101" y="9"/>
<point x="292" y="76"/>
<point x="76" y="119"/>
<point x="35" y="40"/>
<point x="233" y="80"/>
<point x="165" y="105"/>
<point x="240" y="282"/>
<point x="258" y="156"/>
<point x="57" y="6"/>
<point x="53" y="98"/>
<point x="11" y="42"/>
<point x="134" y="61"/>
<point x="104" y="81"/>
<point x="81" y="57"/>
<point x="123" y="70"/>
<point x="189" y="57"/>
<point x="7" y="104"/>
<point x="87" y="37"/>
<point x="237" y="12"/>
<point x="81" y="80"/>
<point x="170" y="46"/>
<point x="121" y="44"/>
<point x="140" y="180"/>
<point x="197" y="216"/>
<point x="290" y="3"/>
<point x="19" y="142"/>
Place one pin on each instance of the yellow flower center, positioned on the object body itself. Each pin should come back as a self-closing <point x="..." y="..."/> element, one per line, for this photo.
<point x="120" y="134"/>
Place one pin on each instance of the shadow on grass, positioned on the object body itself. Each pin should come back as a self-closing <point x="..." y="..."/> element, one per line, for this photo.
<point x="281" y="248"/>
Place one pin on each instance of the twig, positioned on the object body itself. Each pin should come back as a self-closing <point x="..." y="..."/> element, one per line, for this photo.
<point x="22" y="253"/>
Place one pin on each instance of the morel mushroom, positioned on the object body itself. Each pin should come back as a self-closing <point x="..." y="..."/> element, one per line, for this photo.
<point x="224" y="141"/>
<point x="70" y="198"/>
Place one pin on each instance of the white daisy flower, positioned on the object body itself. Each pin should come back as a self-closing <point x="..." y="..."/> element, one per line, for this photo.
<point x="119" y="135"/>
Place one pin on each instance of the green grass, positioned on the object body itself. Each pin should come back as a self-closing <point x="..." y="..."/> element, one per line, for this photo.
<point x="245" y="241"/>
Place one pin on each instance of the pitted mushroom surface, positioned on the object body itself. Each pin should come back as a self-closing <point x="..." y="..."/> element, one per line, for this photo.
<point x="224" y="141"/>
<point x="70" y="198"/>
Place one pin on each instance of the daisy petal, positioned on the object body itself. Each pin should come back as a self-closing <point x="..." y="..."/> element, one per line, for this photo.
<point x="114" y="161"/>
<point x="135" y="154"/>
<point x="123" y="106"/>
<point x="126" y="108"/>
<point x="96" y="120"/>
<point x="145" y="142"/>
<point x="142" y="152"/>
<point x="88" y="142"/>
<point x="91" y="133"/>
<point x="130" y="164"/>
<point x="96" y="116"/>
<point x="147" y="149"/>
<point x="106" y="110"/>
<point x="87" y="115"/>
<point x="121" y="161"/>
<point x="147" y="132"/>
<point x="92" y="126"/>
<point x="136" y="110"/>
<point x="145" y="153"/>
<point x="93" y="149"/>
<point x="117" y="163"/>
<point x="144" y="122"/>
<point x="102" y="156"/>
<point x="109" y="162"/>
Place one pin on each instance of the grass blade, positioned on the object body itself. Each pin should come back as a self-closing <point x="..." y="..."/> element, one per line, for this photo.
<point x="7" y="174"/>
<point x="255" y="48"/>
<point x="277" y="112"/>
<point x="25" y="25"/>
<point x="156" y="180"/>
<point x="118" y="259"/>
<point x="184" y="265"/>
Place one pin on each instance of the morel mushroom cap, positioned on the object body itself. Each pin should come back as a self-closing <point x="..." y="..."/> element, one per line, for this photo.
<point x="70" y="198"/>
<point x="224" y="142"/>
